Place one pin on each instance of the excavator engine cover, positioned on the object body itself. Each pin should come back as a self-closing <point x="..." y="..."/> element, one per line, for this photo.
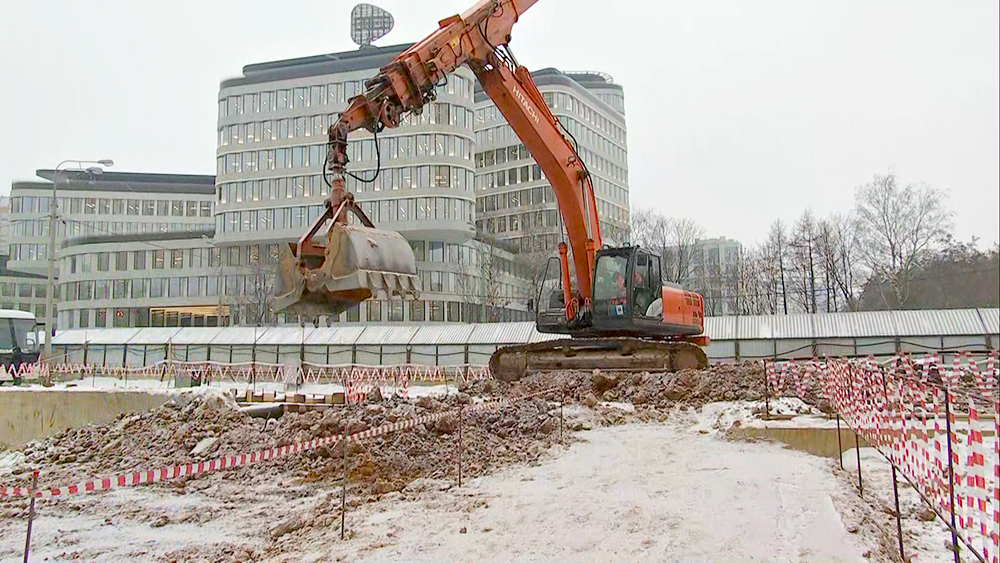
<point x="359" y="263"/>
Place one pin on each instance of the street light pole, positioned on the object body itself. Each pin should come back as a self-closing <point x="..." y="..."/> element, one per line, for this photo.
<point x="218" y="276"/>
<point x="50" y="315"/>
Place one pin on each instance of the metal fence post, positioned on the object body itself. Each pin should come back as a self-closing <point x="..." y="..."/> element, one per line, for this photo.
<point x="899" y="516"/>
<point x="460" y="409"/>
<point x="343" y="489"/>
<point x="857" y="450"/>
<point x="840" y="446"/>
<point x="31" y="514"/>
<point x="951" y="473"/>
<point x="767" y="402"/>
<point x="562" y="401"/>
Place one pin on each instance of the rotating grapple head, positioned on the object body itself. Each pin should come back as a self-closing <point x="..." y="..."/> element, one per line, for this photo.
<point x="356" y="263"/>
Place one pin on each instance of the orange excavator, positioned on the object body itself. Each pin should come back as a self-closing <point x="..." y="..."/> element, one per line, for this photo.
<point x="618" y="315"/>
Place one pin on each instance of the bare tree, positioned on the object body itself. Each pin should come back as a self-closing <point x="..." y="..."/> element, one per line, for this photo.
<point x="898" y="228"/>
<point x="776" y="251"/>
<point x="481" y="281"/>
<point x="678" y="261"/>
<point x="803" y="258"/>
<point x="840" y="251"/>
<point x="256" y="301"/>
<point x="532" y="267"/>
<point x="675" y="240"/>
<point x="746" y="284"/>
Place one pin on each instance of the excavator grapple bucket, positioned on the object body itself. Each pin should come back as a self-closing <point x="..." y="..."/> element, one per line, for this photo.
<point x="358" y="263"/>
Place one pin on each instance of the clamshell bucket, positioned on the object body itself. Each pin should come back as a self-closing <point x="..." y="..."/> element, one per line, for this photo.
<point x="357" y="263"/>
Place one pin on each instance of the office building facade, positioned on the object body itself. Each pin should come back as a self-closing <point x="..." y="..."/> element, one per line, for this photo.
<point x="123" y="212"/>
<point x="272" y="134"/>
<point x="514" y="202"/>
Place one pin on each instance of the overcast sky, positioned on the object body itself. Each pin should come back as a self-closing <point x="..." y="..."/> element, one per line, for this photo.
<point x="738" y="112"/>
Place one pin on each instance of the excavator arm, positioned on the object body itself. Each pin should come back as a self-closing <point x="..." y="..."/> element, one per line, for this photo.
<point x="316" y="279"/>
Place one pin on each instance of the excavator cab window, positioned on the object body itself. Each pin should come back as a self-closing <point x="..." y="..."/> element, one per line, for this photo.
<point x="645" y="281"/>
<point x="550" y="292"/>
<point x="611" y="286"/>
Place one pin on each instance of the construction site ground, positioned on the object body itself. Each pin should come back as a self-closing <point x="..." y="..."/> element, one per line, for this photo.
<point x="644" y="472"/>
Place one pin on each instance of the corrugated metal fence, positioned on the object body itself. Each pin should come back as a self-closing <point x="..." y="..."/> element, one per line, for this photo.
<point x="879" y="333"/>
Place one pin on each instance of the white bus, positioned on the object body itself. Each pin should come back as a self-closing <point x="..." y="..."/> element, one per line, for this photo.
<point x="19" y="338"/>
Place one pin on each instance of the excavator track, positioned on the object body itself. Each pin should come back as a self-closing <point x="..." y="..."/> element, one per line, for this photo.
<point x="512" y="363"/>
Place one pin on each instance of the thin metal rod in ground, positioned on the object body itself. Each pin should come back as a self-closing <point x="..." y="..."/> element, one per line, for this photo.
<point x="840" y="446"/>
<point x="31" y="514"/>
<point x="343" y="490"/>
<point x="899" y="516"/>
<point x="562" y="400"/>
<point x="951" y="474"/>
<point x="460" y="446"/>
<point x="857" y="451"/>
<point x="767" y="403"/>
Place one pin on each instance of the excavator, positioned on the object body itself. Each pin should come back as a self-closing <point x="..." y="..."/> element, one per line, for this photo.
<point x="617" y="315"/>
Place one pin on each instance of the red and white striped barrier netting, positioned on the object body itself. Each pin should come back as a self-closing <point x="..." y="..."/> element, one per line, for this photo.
<point x="903" y="408"/>
<point x="142" y="477"/>
<point x="356" y="379"/>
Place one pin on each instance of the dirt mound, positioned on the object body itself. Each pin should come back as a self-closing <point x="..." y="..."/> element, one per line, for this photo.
<point x="491" y="438"/>
<point x="211" y="426"/>
<point x="168" y="435"/>
<point x="694" y="387"/>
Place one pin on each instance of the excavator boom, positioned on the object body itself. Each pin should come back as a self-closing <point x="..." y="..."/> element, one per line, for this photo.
<point x="358" y="261"/>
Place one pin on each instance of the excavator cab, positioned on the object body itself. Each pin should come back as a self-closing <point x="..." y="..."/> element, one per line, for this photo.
<point x="629" y="298"/>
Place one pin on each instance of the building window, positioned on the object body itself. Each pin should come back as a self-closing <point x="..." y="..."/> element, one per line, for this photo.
<point x="374" y="311"/>
<point x="394" y="310"/>
<point x="417" y="311"/>
<point x="121" y="318"/>
<point x="436" y="251"/>
<point x="139" y="260"/>
<point x="156" y="287"/>
<point x="174" y="287"/>
<point x="148" y="207"/>
<point x="121" y="261"/>
<point x="139" y="288"/>
<point x="24" y="290"/>
<point x="86" y="290"/>
<point x="437" y="310"/>
<point x="103" y="261"/>
<point x="102" y="289"/>
<point x="84" y="318"/>
<point x="354" y="314"/>
<point x="158" y="257"/>
<point x="90" y="208"/>
<point x="454" y="311"/>
<point x="176" y="258"/>
<point x="101" y="320"/>
<point x="121" y="289"/>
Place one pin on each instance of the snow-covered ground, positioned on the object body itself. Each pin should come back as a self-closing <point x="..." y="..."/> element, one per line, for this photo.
<point x="625" y="493"/>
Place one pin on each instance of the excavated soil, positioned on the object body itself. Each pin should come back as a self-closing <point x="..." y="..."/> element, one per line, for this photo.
<point x="404" y="463"/>
<point x="689" y="387"/>
<point x="171" y="435"/>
